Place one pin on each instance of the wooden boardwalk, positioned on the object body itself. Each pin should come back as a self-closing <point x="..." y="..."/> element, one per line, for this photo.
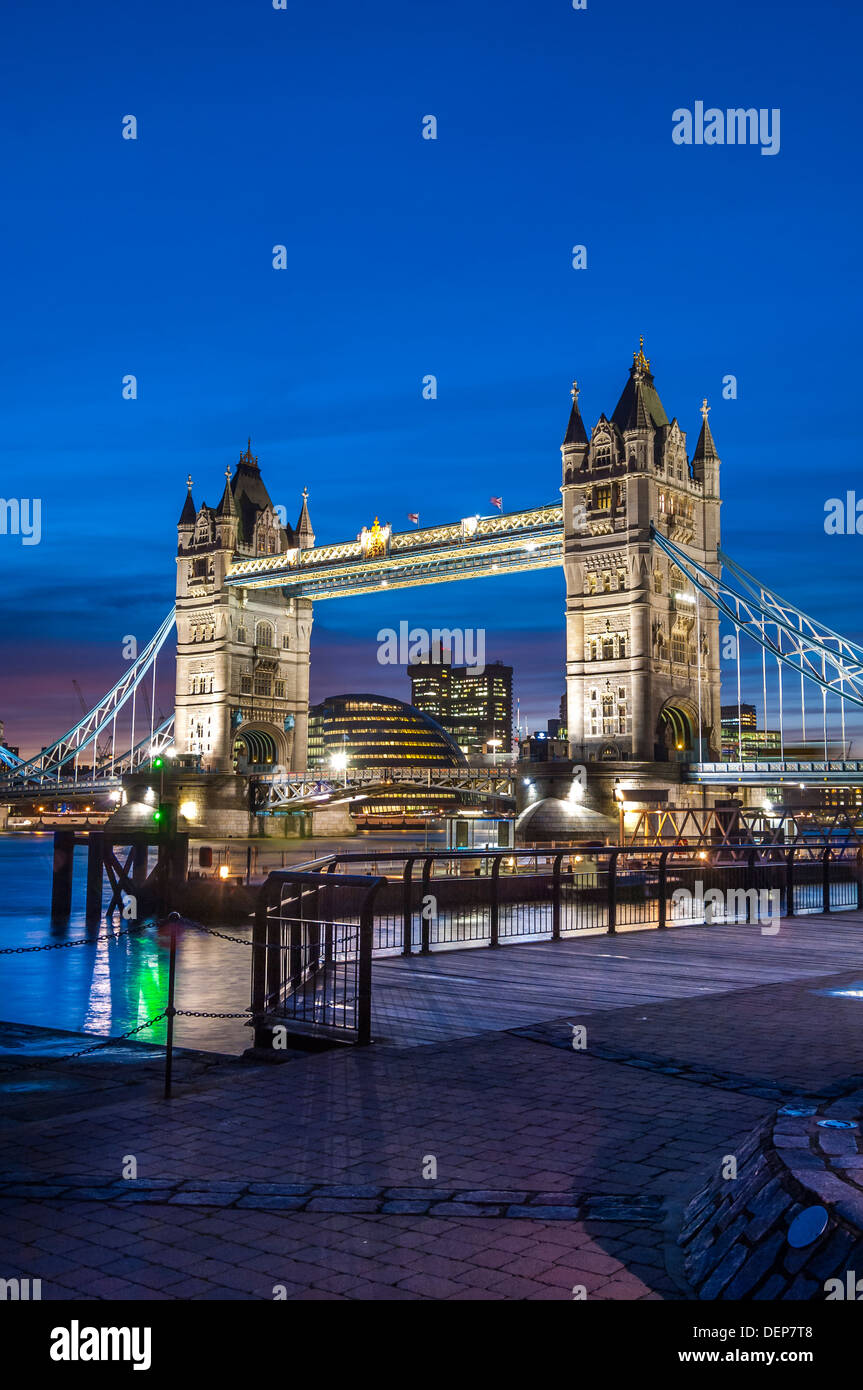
<point x="461" y="993"/>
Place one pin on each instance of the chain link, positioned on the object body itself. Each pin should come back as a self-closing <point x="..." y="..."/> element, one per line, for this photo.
<point x="69" y="1057"/>
<point x="81" y="941"/>
<point x="194" y="1013"/>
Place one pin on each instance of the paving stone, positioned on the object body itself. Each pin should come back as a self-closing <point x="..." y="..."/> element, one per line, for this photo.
<point x="723" y="1272"/>
<point x="265" y="1203"/>
<point x="545" y="1213"/>
<point x="453" y="1209"/>
<point x="802" y="1288"/>
<point x="343" y="1204"/>
<point x="370" y="1190"/>
<point x="758" y="1264"/>
<point x="767" y="1208"/>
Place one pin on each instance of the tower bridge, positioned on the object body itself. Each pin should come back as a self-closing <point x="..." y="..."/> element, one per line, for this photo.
<point x="636" y="533"/>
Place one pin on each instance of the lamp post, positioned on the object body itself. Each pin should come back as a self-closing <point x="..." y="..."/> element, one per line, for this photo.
<point x="618" y="796"/>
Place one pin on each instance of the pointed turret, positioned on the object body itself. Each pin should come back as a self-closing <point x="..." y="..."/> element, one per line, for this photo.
<point x="188" y="514"/>
<point x="226" y="507"/>
<point x="705" y="460"/>
<point x="705" y="449"/>
<point x="305" y="534"/>
<point x="639" y="407"/>
<point x="575" y="431"/>
<point x="575" y="444"/>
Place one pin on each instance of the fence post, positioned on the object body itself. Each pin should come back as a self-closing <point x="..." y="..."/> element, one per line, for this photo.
<point x="662" y="889"/>
<point x="789" y="883"/>
<point x="612" y="892"/>
<point x="259" y="963"/>
<point x="495" y="900"/>
<point x="555" y="899"/>
<point x="860" y="879"/>
<point x="169" y="1040"/>
<point x="407" y="905"/>
<point x="364" y="980"/>
<point x="825" y="879"/>
<point x="426" y="924"/>
<point x="749" y="883"/>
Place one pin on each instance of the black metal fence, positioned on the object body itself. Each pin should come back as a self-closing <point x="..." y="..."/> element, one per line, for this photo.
<point x="312" y="957"/>
<point x="317" y="930"/>
<point x="444" y="899"/>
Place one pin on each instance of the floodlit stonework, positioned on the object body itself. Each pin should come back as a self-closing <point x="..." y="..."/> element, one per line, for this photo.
<point x="635" y="684"/>
<point x="242" y="695"/>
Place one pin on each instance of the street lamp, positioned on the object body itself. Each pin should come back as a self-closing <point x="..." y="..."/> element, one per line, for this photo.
<point x="340" y="763"/>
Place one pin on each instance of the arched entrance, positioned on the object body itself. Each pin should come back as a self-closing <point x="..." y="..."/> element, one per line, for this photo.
<point x="258" y="748"/>
<point x="677" y="731"/>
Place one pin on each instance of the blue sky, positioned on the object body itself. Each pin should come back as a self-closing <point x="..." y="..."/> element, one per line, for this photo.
<point x="407" y="257"/>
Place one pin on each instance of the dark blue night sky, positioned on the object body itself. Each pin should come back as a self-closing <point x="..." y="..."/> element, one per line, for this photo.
<point x="406" y="257"/>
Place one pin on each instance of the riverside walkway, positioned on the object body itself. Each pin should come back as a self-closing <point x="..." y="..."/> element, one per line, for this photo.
<point x="555" y="1168"/>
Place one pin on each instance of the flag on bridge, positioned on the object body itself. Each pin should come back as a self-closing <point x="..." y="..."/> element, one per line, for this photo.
<point x="414" y="517"/>
<point x="497" y="502"/>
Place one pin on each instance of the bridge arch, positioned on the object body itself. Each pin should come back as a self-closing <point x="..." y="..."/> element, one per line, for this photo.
<point x="677" y="730"/>
<point x="259" y="746"/>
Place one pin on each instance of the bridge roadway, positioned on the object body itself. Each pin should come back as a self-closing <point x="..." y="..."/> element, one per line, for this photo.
<point x="294" y="790"/>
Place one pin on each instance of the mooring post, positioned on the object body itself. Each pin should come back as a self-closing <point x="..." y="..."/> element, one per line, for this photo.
<point x="61" y="883"/>
<point x="95" y="865"/>
<point x="140" y="854"/>
<point x="169" y="1040"/>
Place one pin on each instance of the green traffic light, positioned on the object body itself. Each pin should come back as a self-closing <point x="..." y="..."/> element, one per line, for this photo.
<point x="158" y="762"/>
<point x="157" y="815"/>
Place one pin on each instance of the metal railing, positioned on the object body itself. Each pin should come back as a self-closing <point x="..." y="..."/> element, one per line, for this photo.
<point x="445" y="899"/>
<point x="311" y="970"/>
<point x="317" y="930"/>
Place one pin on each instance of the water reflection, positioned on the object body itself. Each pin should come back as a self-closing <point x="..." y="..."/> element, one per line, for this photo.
<point x="110" y="986"/>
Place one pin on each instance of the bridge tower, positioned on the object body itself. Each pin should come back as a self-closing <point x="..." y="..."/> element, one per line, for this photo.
<point x="636" y="688"/>
<point x="242" y="694"/>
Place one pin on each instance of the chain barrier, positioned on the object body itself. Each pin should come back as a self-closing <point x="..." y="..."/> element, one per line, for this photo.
<point x="196" y="1013"/>
<point x="81" y="941"/>
<point x="110" y="1042"/>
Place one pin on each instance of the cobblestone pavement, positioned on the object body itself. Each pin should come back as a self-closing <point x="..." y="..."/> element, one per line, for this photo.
<point x="308" y="1177"/>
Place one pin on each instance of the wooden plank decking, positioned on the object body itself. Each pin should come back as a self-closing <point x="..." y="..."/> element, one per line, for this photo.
<point x="461" y="993"/>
